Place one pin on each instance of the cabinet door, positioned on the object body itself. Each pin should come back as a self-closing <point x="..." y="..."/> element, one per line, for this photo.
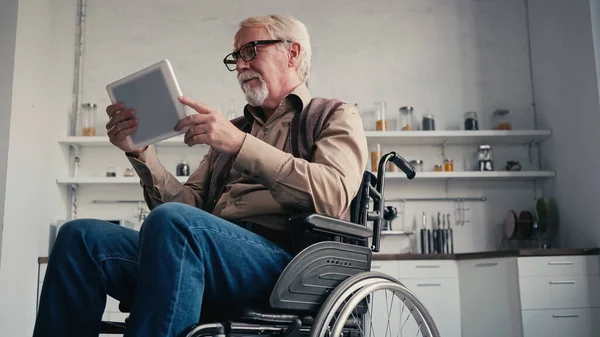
<point x="387" y="267"/>
<point x="442" y="300"/>
<point x="560" y="323"/>
<point x="489" y="292"/>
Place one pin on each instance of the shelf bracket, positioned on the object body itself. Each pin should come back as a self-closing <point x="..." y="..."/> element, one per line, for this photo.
<point x="75" y="149"/>
<point x="73" y="191"/>
<point x="444" y="144"/>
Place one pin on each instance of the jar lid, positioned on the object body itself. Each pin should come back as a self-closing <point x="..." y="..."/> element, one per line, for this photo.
<point x="89" y="105"/>
<point x="406" y="109"/>
<point x="448" y="160"/>
<point x="416" y="161"/>
<point x="484" y="147"/>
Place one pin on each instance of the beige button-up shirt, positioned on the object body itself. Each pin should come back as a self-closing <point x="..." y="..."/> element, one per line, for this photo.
<point x="266" y="184"/>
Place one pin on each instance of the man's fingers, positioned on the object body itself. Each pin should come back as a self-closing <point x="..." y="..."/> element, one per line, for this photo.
<point x="119" y="117"/>
<point x="191" y="120"/>
<point x="121" y="134"/>
<point x="122" y="126"/>
<point x="112" y="109"/>
<point x="195" y="130"/>
<point x="199" y="107"/>
<point x="198" y="139"/>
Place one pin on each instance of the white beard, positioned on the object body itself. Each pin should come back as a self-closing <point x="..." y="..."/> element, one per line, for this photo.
<point x="254" y="96"/>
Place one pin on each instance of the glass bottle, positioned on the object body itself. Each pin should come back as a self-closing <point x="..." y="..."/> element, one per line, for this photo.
<point x="88" y="119"/>
<point x="381" y="124"/>
<point x="375" y="156"/>
<point x="231" y="114"/>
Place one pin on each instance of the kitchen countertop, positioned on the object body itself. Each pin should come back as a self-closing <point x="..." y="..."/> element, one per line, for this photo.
<point x="472" y="256"/>
<point x="490" y="254"/>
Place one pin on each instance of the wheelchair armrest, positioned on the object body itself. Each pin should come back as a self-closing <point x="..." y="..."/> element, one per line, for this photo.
<point x="325" y="224"/>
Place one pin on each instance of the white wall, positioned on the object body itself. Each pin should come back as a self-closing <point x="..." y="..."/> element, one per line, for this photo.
<point x="41" y="98"/>
<point x="8" y="30"/>
<point x="566" y="92"/>
<point x="443" y="57"/>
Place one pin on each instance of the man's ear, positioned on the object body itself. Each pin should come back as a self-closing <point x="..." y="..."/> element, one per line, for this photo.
<point x="294" y="54"/>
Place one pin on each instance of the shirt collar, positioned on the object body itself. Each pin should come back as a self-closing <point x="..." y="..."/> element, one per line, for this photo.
<point x="295" y="100"/>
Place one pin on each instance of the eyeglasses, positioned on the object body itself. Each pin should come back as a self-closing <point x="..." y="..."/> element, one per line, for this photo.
<point x="246" y="53"/>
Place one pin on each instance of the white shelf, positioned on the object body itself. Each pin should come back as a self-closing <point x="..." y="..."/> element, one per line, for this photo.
<point x="100" y="141"/>
<point x="104" y="180"/>
<point x="475" y="175"/>
<point x="459" y="137"/>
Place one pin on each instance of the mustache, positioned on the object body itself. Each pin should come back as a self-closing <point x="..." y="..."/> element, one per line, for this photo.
<point x="248" y="75"/>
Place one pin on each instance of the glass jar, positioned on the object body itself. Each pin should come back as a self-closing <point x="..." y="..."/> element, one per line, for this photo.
<point x="485" y="158"/>
<point x="417" y="164"/>
<point x="448" y="165"/>
<point x="391" y="167"/>
<point x="88" y="119"/>
<point x="438" y="168"/>
<point x="381" y="124"/>
<point x="471" y="120"/>
<point x="375" y="157"/>
<point x="111" y="171"/>
<point x="501" y="119"/>
<point x="129" y="172"/>
<point x="183" y="169"/>
<point x="406" y="120"/>
<point x="428" y="122"/>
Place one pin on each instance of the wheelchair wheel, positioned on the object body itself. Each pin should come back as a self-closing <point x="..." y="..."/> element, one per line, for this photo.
<point x="373" y="304"/>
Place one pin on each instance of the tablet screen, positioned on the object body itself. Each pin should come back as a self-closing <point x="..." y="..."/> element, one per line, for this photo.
<point x="148" y="95"/>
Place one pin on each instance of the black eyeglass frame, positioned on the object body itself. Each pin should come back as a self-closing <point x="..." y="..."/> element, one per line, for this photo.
<point x="238" y="54"/>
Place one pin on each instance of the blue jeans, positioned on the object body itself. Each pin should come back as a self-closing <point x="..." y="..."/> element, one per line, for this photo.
<point x="182" y="259"/>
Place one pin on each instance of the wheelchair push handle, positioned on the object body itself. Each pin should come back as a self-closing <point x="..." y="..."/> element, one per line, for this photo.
<point x="380" y="211"/>
<point x="400" y="163"/>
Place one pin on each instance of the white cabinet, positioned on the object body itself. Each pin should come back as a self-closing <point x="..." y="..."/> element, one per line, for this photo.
<point x="435" y="283"/>
<point x="560" y="296"/>
<point x="442" y="299"/>
<point x="550" y="296"/>
<point x="561" y="322"/>
<point x="489" y="300"/>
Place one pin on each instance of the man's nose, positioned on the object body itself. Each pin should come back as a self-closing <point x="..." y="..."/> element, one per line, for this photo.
<point x="241" y="65"/>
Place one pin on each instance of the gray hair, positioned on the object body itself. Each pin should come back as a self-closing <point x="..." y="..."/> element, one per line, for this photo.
<point x="286" y="27"/>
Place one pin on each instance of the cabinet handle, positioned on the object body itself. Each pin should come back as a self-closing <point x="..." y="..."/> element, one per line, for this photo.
<point x="427" y="266"/>
<point x="560" y="263"/>
<point x="489" y="264"/>
<point x="562" y="282"/>
<point x="565" y="316"/>
<point x="429" y="285"/>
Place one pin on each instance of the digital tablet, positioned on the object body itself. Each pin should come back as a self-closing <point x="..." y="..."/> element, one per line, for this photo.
<point x="153" y="94"/>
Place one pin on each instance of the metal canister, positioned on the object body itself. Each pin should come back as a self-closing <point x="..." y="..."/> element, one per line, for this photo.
<point x="485" y="158"/>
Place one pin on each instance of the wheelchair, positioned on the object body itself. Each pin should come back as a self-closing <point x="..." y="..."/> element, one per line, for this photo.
<point x="328" y="288"/>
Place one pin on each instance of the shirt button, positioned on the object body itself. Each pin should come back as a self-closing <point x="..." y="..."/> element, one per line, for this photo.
<point x="265" y="129"/>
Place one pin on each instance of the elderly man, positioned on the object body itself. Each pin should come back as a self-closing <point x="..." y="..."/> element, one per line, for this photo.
<point x="222" y="237"/>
